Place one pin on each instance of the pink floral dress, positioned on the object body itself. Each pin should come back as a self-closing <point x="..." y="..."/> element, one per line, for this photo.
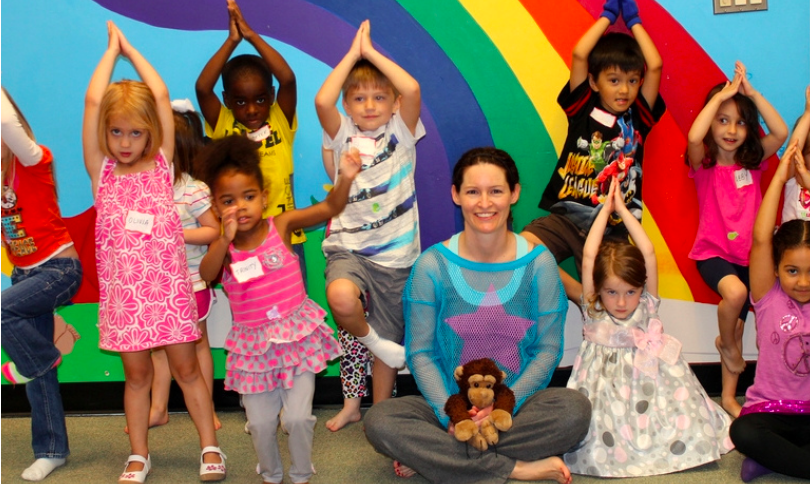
<point x="278" y="332"/>
<point x="145" y="294"/>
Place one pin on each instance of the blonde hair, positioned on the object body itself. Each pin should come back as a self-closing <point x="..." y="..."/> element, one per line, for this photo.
<point x="364" y="73"/>
<point x="134" y="101"/>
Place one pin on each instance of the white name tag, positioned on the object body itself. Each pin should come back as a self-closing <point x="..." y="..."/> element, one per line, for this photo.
<point x="743" y="178"/>
<point x="603" y="117"/>
<point x="248" y="269"/>
<point x="260" y="134"/>
<point x="365" y="145"/>
<point x="140" y="222"/>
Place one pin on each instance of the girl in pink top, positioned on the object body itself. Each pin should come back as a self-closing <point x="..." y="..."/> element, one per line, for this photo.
<point x="773" y="429"/>
<point x="279" y="339"/>
<point x="726" y="158"/>
<point x="145" y="292"/>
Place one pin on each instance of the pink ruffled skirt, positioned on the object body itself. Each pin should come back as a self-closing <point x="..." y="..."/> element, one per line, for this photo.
<point x="263" y="358"/>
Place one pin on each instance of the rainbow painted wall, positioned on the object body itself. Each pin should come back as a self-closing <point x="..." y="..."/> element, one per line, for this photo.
<point x="490" y="73"/>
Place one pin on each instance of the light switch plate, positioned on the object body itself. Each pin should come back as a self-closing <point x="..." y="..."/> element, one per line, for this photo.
<point x="736" y="6"/>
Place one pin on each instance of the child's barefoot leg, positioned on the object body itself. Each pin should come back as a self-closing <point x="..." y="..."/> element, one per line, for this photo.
<point x="550" y="468"/>
<point x="734" y="293"/>
<point x="348" y="414"/>
<point x="384" y="378"/>
<point x="161" y="384"/>
<point x="728" y="395"/>
<point x="206" y="361"/>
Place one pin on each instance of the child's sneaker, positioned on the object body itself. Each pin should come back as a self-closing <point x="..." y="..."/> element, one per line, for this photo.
<point x="10" y="373"/>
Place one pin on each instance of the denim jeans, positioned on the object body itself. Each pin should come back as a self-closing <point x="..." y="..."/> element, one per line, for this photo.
<point x="26" y="330"/>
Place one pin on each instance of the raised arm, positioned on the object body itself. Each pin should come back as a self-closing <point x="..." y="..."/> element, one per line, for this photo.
<point x="210" y="104"/>
<point x="640" y="239"/>
<point x="586" y="43"/>
<point x="802" y="128"/>
<point x="152" y="79"/>
<point x="287" y="96"/>
<point x="93" y="156"/>
<point x="594" y="241"/>
<point x="761" y="266"/>
<point x="328" y="157"/>
<point x="333" y="204"/>
<point x="15" y="136"/>
<point x="777" y="129"/>
<point x="213" y="260"/>
<point x="652" y="77"/>
<point x="327" y="97"/>
<point x="696" y="150"/>
<point x="411" y="96"/>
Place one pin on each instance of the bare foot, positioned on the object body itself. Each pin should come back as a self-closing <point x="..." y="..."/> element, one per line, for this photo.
<point x="343" y="418"/>
<point x="402" y="470"/>
<point x="550" y="468"/>
<point x="730" y="357"/>
<point x="217" y="423"/>
<point x="731" y="406"/>
<point x="156" y="420"/>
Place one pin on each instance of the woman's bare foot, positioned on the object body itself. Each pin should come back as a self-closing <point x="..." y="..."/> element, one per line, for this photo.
<point x="402" y="470"/>
<point x="550" y="468"/>
<point x="730" y="357"/>
<point x="344" y="417"/>
<point x="156" y="419"/>
<point x="731" y="406"/>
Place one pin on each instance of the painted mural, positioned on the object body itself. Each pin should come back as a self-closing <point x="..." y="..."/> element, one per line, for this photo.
<point x="489" y="71"/>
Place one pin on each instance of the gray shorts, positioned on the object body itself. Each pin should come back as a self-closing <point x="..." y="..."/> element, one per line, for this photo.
<point x="380" y="291"/>
<point x="564" y="239"/>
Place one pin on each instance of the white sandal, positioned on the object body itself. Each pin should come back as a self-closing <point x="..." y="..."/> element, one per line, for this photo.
<point x="214" y="471"/>
<point x="138" y="477"/>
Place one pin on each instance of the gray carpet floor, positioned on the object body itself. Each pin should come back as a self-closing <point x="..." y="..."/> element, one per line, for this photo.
<point x="99" y="448"/>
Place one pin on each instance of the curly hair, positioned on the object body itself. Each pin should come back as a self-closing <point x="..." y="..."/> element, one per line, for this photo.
<point x="620" y="259"/>
<point x="749" y="154"/>
<point x="231" y="154"/>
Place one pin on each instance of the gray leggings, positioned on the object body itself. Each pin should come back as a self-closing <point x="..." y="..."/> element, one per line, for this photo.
<point x="262" y="412"/>
<point x="551" y="422"/>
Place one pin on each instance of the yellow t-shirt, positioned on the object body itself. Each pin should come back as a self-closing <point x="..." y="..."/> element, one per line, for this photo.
<point x="276" y="158"/>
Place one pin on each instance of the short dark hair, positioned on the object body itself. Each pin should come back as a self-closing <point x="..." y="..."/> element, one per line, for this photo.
<point x="791" y="235"/>
<point x="616" y="50"/>
<point x="230" y="154"/>
<point x="242" y="65"/>
<point x="749" y="154"/>
<point x="188" y="141"/>
<point x="488" y="155"/>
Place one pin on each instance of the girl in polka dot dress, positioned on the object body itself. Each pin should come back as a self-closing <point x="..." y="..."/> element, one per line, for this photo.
<point x="650" y="414"/>
<point x="279" y="339"/>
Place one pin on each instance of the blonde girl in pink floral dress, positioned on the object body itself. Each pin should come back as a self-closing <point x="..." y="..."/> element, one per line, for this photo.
<point x="145" y="292"/>
<point x="279" y="340"/>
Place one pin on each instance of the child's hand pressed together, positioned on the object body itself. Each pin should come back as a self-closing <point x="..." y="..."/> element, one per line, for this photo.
<point x="241" y="24"/>
<point x="229" y="223"/>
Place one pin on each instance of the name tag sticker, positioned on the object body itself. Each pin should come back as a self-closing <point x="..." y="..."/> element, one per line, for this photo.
<point x="260" y="134"/>
<point x="248" y="269"/>
<point x="140" y="222"/>
<point x="742" y="178"/>
<point x="603" y="117"/>
<point x="365" y="145"/>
